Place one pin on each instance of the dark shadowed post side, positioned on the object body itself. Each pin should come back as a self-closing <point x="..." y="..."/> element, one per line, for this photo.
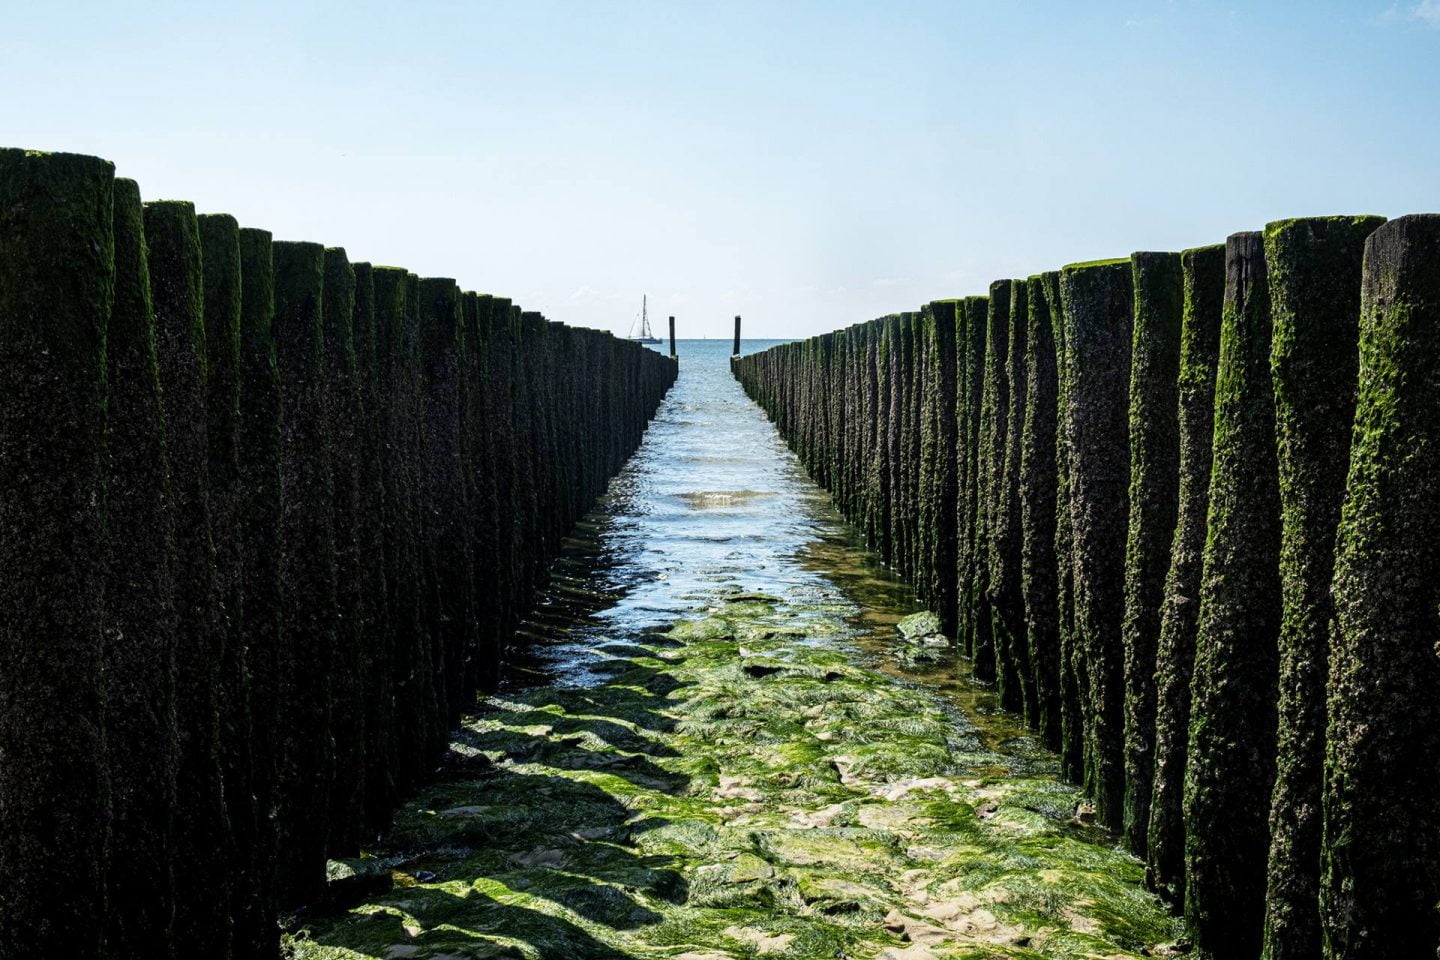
<point x="1314" y="270"/>
<point x="1231" y="764"/>
<point x="347" y="664"/>
<point x="446" y="538"/>
<point x="56" y="285"/>
<point x="1099" y="311"/>
<point x="736" y="351"/>
<point x="1203" y="272"/>
<point x="202" y="833"/>
<point x="258" y="529"/>
<point x="220" y="248"/>
<point x="1380" y="876"/>
<point x="672" y="336"/>
<point x="410" y="654"/>
<point x="1038" y="512"/>
<point x="1154" y="493"/>
<point x="376" y="626"/>
<point x="139" y="610"/>
<point x="308" y="572"/>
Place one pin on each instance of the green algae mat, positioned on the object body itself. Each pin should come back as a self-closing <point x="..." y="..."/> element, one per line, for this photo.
<point x="739" y="787"/>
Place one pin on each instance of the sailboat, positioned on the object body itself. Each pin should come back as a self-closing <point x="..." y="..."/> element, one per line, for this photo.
<point x="640" y="328"/>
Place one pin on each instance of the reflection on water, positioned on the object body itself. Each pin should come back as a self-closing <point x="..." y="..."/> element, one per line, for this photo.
<point x="714" y="502"/>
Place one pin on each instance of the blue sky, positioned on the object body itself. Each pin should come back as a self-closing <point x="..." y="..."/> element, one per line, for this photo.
<point x="807" y="165"/>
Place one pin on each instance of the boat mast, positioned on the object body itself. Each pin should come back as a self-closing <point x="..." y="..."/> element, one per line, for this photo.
<point x="644" y="317"/>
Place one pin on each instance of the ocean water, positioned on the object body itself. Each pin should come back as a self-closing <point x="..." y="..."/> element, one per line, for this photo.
<point x="715" y="503"/>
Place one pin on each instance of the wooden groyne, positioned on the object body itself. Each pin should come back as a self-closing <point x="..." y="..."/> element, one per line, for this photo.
<point x="267" y="519"/>
<point x="1179" y="509"/>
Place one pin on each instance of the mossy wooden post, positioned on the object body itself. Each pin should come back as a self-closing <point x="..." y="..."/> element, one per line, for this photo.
<point x="410" y="657"/>
<point x="57" y="278"/>
<point x="1314" y="269"/>
<point x="1231" y="763"/>
<point x="259" y="529"/>
<point x="1007" y="602"/>
<point x="877" y="521"/>
<point x="1038" y="478"/>
<point x="139" y="610"/>
<point x="220" y="249"/>
<point x="938" y="459"/>
<point x="308" y="573"/>
<point x="990" y="470"/>
<point x="1099" y="310"/>
<point x="203" y="923"/>
<point x="1154" y="493"/>
<point x="1072" y="673"/>
<point x="1203" y="276"/>
<point x="894" y="418"/>
<point x="347" y="664"/>
<point x="376" y="626"/>
<point x="1380" y="878"/>
<point x="970" y="360"/>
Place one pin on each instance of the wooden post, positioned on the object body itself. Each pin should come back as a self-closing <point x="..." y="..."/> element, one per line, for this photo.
<point x="736" y="352"/>
<point x="672" y="336"/>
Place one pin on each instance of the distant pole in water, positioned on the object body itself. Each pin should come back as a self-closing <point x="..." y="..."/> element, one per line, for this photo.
<point x="672" y="336"/>
<point x="736" y="351"/>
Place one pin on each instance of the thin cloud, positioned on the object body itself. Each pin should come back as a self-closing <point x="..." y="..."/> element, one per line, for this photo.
<point x="1426" y="11"/>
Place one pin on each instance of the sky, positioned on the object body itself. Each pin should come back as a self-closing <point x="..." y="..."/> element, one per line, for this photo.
<point x="807" y="165"/>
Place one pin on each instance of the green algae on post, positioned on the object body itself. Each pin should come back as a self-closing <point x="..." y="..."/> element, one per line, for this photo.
<point x="1014" y="680"/>
<point x="1230" y="765"/>
<point x="1314" y="270"/>
<point x="994" y="423"/>
<point x="1380" y="876"/>
<point x="969" y="386"/>
<point x="938" y="457"/>
<point x="56" y="288"/>
<point x="202" y="830"/>
<point x="1154" y="492"/>
<point x="1038" y="481"/>
<point x="1203" y="270"/>
<point x="1098" y="303"/>
<point x="1072" y="674"/>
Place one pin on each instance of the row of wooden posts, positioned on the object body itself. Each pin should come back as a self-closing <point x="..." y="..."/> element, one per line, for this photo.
<point x="1181" y="510"/>
<point x="267" y="519"/>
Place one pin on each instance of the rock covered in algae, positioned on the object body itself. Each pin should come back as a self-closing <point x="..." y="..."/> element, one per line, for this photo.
<point x="689" y="807"/>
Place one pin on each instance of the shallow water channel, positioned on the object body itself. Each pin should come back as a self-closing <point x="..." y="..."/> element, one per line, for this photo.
<point x="709" y="744"/>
